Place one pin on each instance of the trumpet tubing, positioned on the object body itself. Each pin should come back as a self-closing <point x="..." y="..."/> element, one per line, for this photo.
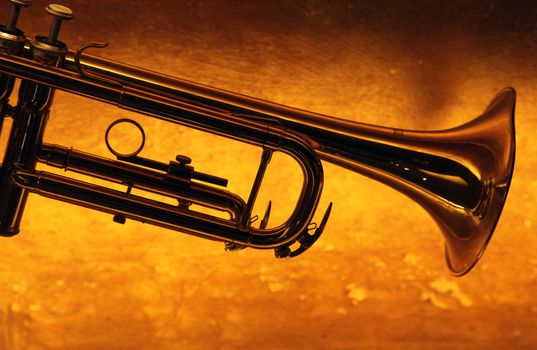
<point x="459" y="176"/>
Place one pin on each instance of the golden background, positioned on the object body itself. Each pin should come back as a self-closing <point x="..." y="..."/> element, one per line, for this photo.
<point x="73" y="279"/>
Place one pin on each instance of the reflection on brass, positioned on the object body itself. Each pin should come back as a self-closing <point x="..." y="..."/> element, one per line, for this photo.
<point x="460" y="176"/>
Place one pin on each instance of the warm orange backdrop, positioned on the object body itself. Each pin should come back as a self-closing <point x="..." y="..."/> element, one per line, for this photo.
<point x="73" y="279"/>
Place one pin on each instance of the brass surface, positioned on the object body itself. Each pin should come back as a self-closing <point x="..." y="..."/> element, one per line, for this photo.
<point x="75" y="280"/>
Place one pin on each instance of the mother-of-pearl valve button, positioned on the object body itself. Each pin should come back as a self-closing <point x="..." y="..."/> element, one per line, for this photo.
<point x="60" y="11"/>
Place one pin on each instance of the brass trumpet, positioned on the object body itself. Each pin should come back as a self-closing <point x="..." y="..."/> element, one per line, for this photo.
<point x="460" y="176"/>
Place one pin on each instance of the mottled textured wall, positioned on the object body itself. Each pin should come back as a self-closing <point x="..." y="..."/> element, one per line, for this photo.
<point x="73" y="279"/>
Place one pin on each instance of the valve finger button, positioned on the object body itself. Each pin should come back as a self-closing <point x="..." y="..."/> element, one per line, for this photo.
<point x="59" y="11"/>
<point x="24" y="3"/>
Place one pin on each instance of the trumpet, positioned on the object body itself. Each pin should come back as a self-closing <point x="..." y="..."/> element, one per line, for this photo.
<point x="460" y="176"/>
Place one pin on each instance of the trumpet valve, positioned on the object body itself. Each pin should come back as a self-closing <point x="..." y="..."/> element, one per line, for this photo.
<point x="59" y="13"/>
<point x="13" y="18"/>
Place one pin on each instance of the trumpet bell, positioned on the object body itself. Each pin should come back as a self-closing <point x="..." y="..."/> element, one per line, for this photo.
<point x="467" y="231"/>
<point x="460" y="176"/>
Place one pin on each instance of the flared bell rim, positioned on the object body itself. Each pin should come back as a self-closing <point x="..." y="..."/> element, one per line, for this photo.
<point x="506" y="97"/>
